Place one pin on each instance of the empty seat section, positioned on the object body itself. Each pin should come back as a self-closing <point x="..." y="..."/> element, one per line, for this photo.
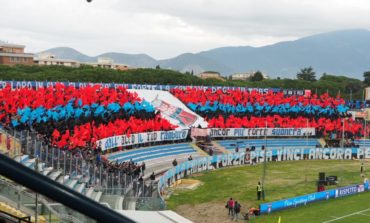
<point x="139" y="155"/>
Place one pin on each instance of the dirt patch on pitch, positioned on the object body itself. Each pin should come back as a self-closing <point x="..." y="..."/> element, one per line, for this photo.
<point x="207" y="212"/>
<point x="197" y="174"/>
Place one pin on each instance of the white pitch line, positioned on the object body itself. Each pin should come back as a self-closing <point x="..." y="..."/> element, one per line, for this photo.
<point x="346" y="216"/>
<point x="365" y="215"/>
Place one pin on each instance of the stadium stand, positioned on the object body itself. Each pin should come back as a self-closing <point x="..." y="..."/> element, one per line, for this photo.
<point x="242" y="145"/>
<point x="243" y="109"/>
<point x="57" y="129"/>
<point x="71" y="118"/>
<point x="150" y="153"/>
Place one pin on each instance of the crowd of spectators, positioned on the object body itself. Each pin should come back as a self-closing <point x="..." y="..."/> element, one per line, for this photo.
<point x="243" y="109"/>
<point x="71" y="118"/>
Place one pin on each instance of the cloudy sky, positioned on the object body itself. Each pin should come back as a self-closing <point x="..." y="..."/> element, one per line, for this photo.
<point x="167" y="28"/>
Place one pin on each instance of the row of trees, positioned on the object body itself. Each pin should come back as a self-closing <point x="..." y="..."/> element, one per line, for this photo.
<point x="306" y="79"/>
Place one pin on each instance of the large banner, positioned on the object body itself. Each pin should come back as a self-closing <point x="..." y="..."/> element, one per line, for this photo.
<point x="293" y="154"/>
<point x="258" y="156"/>
<point x="185" y="118"/>
<point x="258" y="132"/>
<point x="309" y="198"/>
<point x="39" y="84"/>
<point x="198" y="132"/>
<point x="139" y="138"/>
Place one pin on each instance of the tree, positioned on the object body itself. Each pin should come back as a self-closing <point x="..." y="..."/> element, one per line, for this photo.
<point x="158" y="67"/>
<point x="367" y="78"/>
<point x="306" y="74"/>
<point x="257" y="76"/>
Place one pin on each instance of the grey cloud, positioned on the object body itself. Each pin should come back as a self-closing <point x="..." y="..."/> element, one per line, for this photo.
<point x="165" y="28"/>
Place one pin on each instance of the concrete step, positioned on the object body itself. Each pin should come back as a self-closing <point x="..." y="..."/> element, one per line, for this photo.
<point x="119" y="203"/>
<point x="60" y="179"/>
<point x="98" y="196"/>
<point x="55" y="174"/>
<point x="89" y="192"/>
<point x="72" y="183"/>
<point x="41" y="167"/>
<point x="80" y="188"/>
<point x="22" y="158"/>
<point x="47" y="171"/>
<point x="30" y="163"/>
<point x="25" y="158"/>
<point x="109" y="199"/>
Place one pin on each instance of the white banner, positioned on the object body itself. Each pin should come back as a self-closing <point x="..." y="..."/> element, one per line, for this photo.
<point x="139" y="138"/>
<point x="256" y="132"/>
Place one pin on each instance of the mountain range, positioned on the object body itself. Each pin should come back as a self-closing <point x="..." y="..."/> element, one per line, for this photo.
<point x="345" y="52"/>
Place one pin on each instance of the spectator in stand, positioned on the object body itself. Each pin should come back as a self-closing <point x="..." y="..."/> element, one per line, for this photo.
<point x="78" y="117"/>
<point x="142" y="168"/>
<point x="141" y="179"/>
<point x="174" y="164"/>
<point x="152" y="177"/>
<point x="211" y="151"/>
<point x="243" y="109"/>
<point x="190" y="158"/>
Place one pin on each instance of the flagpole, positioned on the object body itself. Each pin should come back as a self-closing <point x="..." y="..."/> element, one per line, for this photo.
<point x="365" y="129"/>
<point x="264" y="162"/>
<point x="342" y="146"/>
<point x="363" y="156"/>
<point x="305" y="166"/>
<point x="342" y="143"/>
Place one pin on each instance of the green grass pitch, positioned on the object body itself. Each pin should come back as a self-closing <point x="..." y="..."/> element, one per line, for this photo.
<point x="283" y="180"/>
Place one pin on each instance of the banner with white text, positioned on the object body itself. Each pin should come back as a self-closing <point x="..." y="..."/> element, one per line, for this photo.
<point x="259" y="132"/>
<point x="140" y="138"/>
<point x="258" y="156"/>
<point x="40" y="84"/>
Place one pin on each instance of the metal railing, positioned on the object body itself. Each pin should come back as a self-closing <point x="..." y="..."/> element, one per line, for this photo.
<point x="78" y="165"/>
<point x="59" y="193"/>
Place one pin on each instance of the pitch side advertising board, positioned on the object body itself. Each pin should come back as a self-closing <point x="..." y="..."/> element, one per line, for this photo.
<point x="294" y="202"/>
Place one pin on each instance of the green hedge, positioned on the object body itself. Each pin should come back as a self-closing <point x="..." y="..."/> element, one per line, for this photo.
<point x="332" y="84"/>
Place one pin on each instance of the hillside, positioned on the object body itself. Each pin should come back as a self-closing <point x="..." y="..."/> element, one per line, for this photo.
<point x="342" y="52"/>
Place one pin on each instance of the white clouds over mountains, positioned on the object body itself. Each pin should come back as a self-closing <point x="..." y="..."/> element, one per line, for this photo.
<point x="166" y="28"/>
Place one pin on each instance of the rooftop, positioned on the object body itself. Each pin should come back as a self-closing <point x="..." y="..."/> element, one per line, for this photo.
<point x="4" y="44"/>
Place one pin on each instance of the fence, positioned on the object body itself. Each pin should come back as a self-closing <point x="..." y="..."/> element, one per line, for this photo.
<point x="28" y="201"/>
<point x="77" y="164"/>
<point x="9" y="144"/>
